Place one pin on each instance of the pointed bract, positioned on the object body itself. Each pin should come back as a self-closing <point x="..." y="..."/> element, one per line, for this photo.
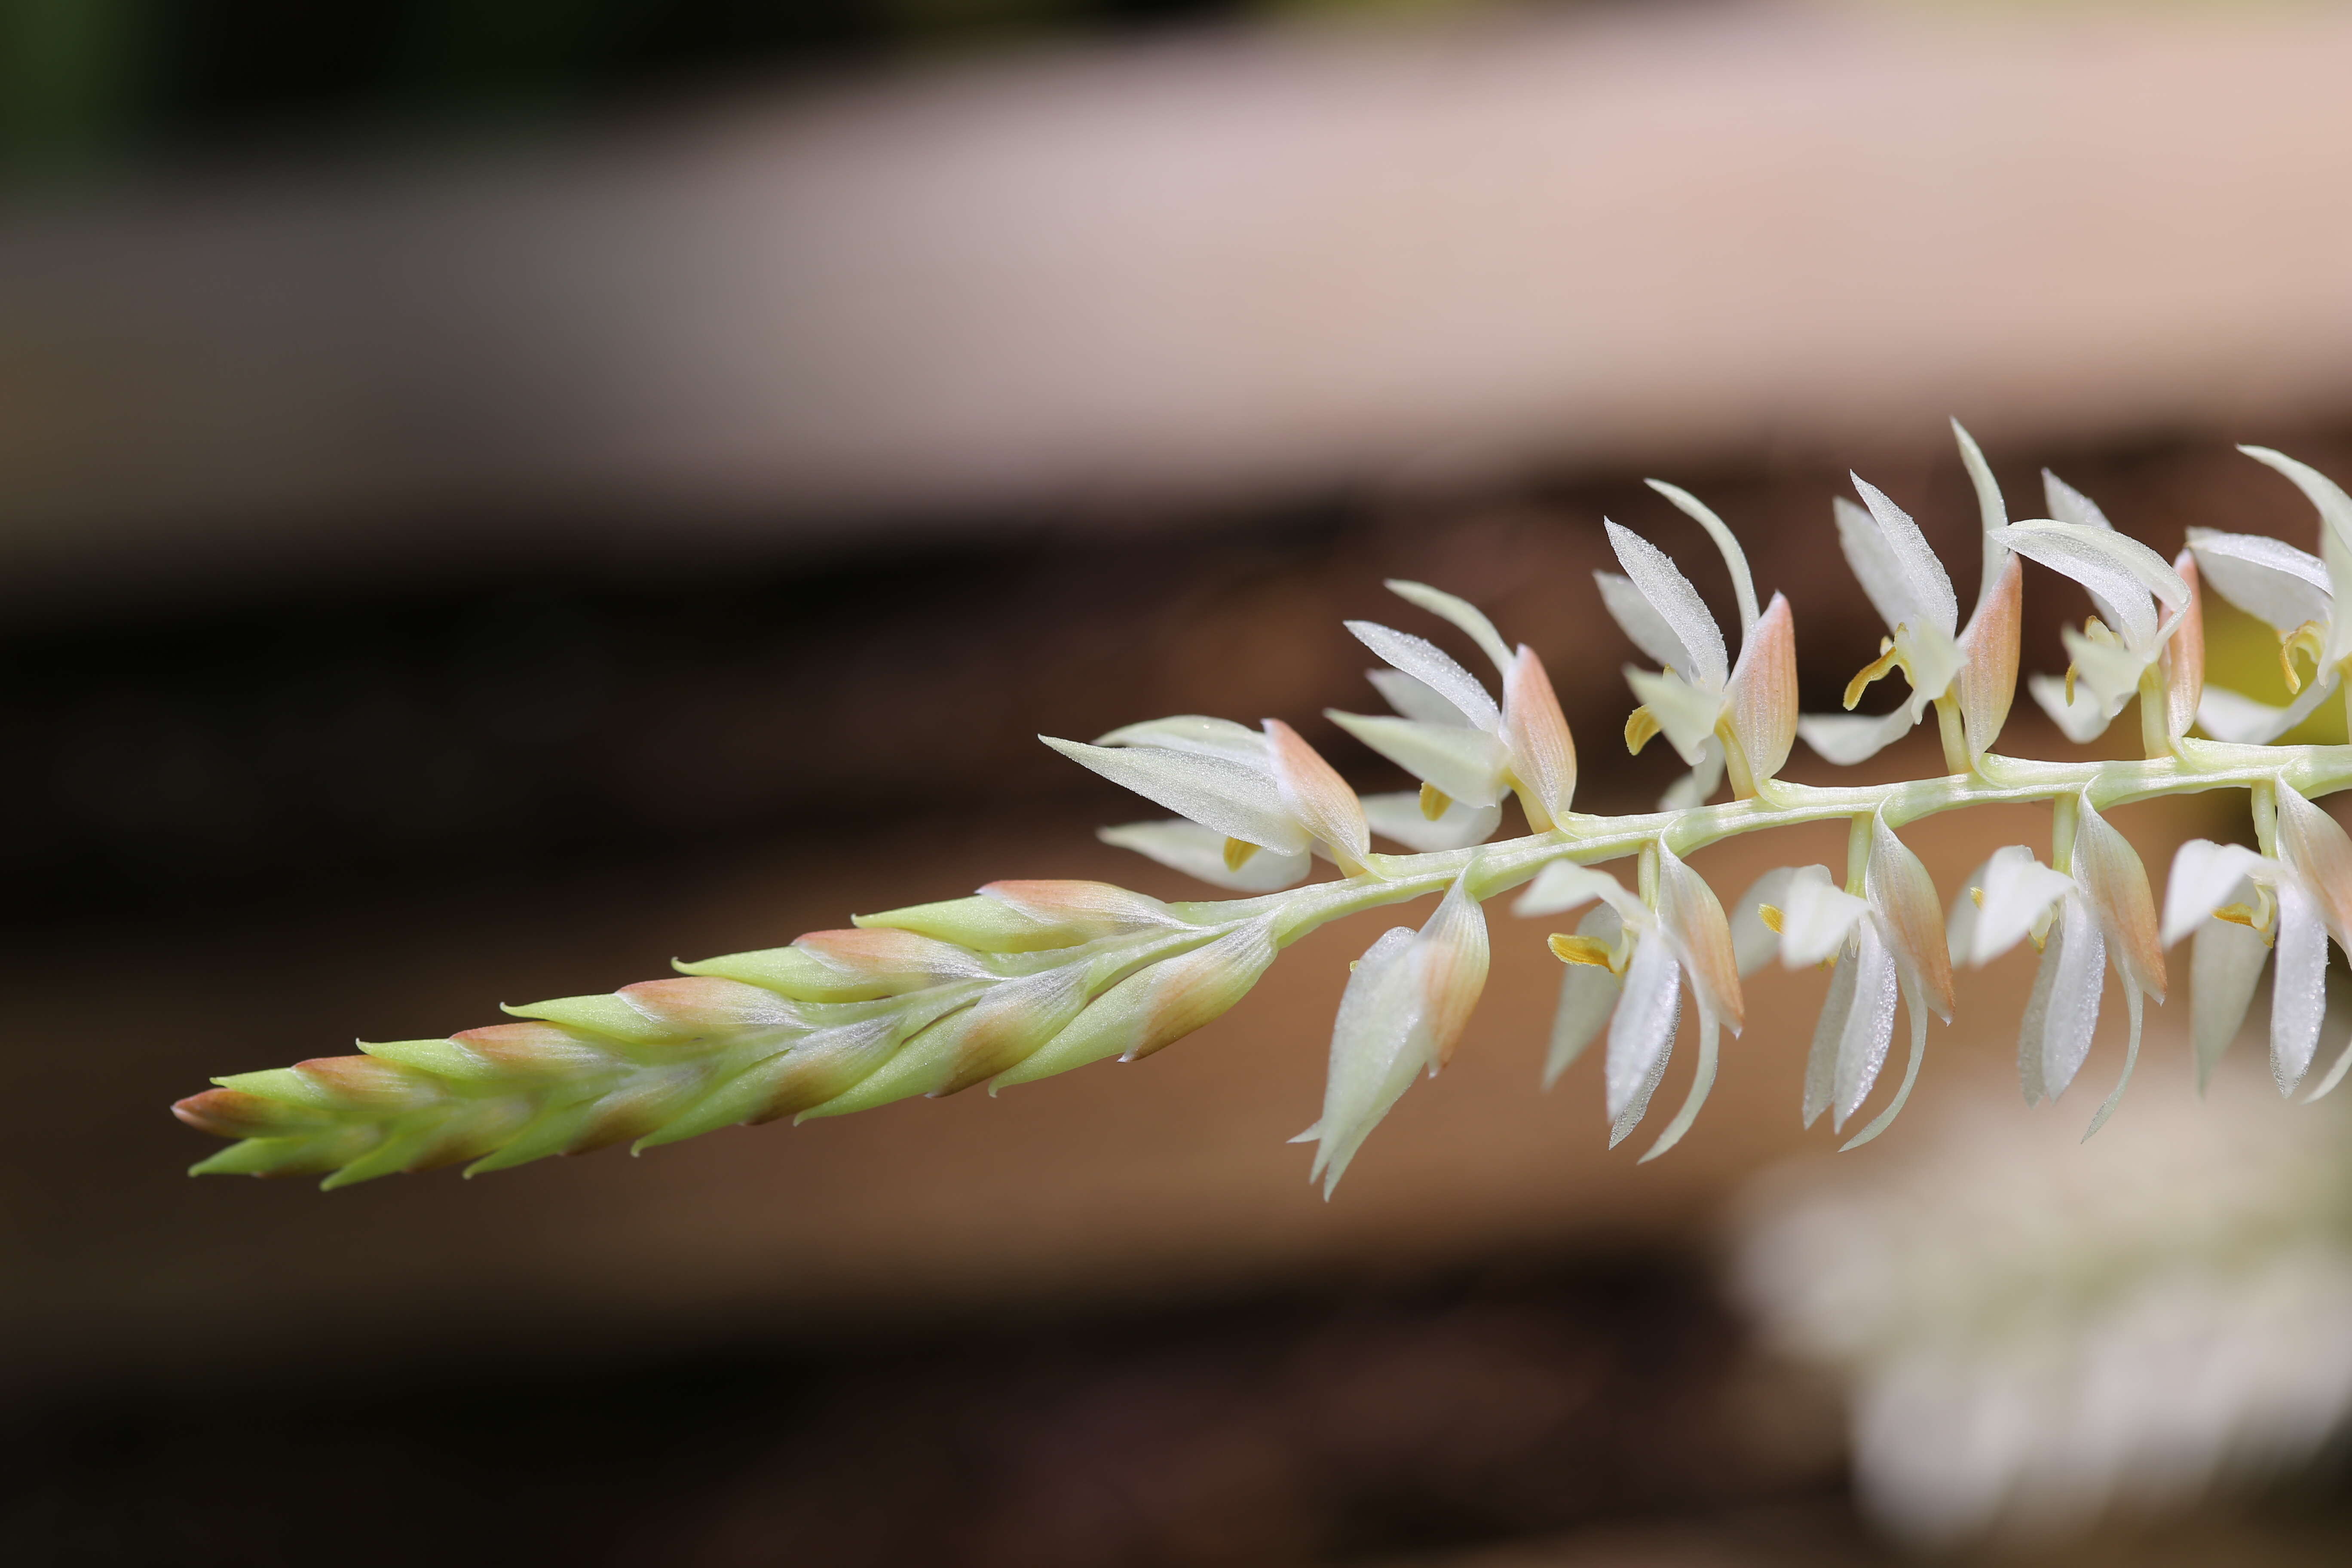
<point x="1542" y="751"/>
<point x="1761" y="706"/>
<point x="1318" y="797"/>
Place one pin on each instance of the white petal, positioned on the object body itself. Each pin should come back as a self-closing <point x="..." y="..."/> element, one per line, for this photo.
<point x="1199" y="851"/>
<point x="2068" y="504"/>
<point x="1462" y="613"/>
<point x="1735" y="559"/>
<point x="1587" y="996"/>
<point x="1752" y="942"/>
<point x="1685" y="712"/>
<point x="1817" y="918"/>
<point x="1564" y="885"/>
<point x="1829" y="1033"/>
<point x="1376" y="1051"/>
<point x="1869" y="1025"/>
<point x="1671" y="595"/>
<point x="1689" y="914"/>
<point x="2071" y="1007"/>
<point x="2204" y="876"/>
<point x="2084" y="720"/>
<point x="2018" y="889"/>
<point x="1933" y="657"/>
<point x="2135" y="1005"/>
<point x="1237" y="800"/>
<point x="2335" y="506"/>
<point x="1465" y="764"/>
<point x="1846" y="738"/>
<point x="2298" y="987"/>
<point x="1434" y="668"/>
<point x="1398" y="816"/>
<point x="2267" y="578"/>
<point x="1915" y="1006"/>
<point x="1702" y="1085"/>
<point x="2118" y="570"/>
<point x="2225" y="964"/>
<point x="1875" y="566"/>
<point x="1929" y="584"/>
<point x="1646" y="627"/>
<point x="1695" y="787"/>
<point x="1193" y="732"/>
<point x="1416" y="699"/>
<point x="1643" y="1031"/>
<point x="1902" y="897"/>
<point x="1960" y="926"/>
<point x="2110" y="671"/>
<point x="2228" y="715"/>
<point x="1992" y="511"/>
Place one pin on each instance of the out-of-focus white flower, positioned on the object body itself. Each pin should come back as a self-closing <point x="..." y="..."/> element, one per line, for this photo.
<point x="2294" y="593"/>
<point x="1246" y="795"/>
<point x="2140" y="599"/>
<point x="1717" y="715"/>
<point x="1976" y="669"/>
<point x="1449" y="732"/>
<point x="1886" y="941"/>
<point x="1627" y="968"/>
<point x="1401" y="1015"/>
<point x="2034" y="1333"/>
<point x="2243" y="907"/>
<point x="2104" y="911"/>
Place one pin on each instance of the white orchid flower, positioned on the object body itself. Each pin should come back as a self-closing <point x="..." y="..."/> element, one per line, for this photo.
<point x="1467" y="749"/>
<point x="1245" y="795"/>
<point x="2141" y="601"/>
<point x="2243" y="907"/>
<point x="2104" y="911"/>
<point x="1974" y="670"/>
<point x="2294" y="593"/>
<point x="1627" y="968"/>
<point x="1717" y="715"/>
<point x="1886" y="941"/>
<point x="1401" y="1015"/>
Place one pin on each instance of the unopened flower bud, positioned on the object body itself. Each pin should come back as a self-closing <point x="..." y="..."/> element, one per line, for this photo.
<point x="1155" y="1006"/>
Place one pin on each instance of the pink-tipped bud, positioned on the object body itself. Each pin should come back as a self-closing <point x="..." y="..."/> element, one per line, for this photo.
<point x="861" y="965"/>
<point x="235" y="1113"/>
<point x="1543" y="752"/>
<point x="2113" y="880"/>
<point x="1318" y="797"/>
<point x="1156" y="1006"/>
<point x="2184" y="655"/>
<point x="704" y="1006"/>
<point x="1987" y="681"/>
<point x="1453" y="954"/>
<point x="1902" y="896"/>
<point x="1691" y="913"/>
<point x="534" y="1050"/>
<point x="1760" y="701"/>
<point x="1027" y="917"/>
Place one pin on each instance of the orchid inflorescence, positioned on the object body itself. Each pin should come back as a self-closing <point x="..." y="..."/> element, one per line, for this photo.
<point x="1026" y="979"/>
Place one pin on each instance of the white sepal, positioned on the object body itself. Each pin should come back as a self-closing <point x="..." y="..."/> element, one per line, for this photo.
<point x="2065" y="1004"/>
<point x="2299" y="987"/>
<point x="1416" y="699"/>
<point x="2228" y="715"/>
<point x="1642" y="1032"/>
<point x="1238" y="801"/>
<point x="1399" y="816"/>
<point x="1869" y="1024"/>
<point x="1661" y="581"/>
<point x="1817" y="917"/>
<point x="1992" y="511"/>
<point x="1193" y="732"/>
<point x="2082" y="719"/>
<point x="2225" y="966"/>
<point x="2019" y="889"/>
<point x="1927" y="597"/>
<point x="1647" y="629"/>
<point x="2267" y="578"/>
<point x="1564" y="885"/>
<point x="1902" y="901"/>
<point x="1465" y="764"/>
<point x="1689" y="914"/>
<point x="2118" y="570"/>
<point x="1849" y="738"/>
<point x="2204" y="876"/>
<point x="1754" y="943"/>
<point x="1434" y="668"/>
<point x="1735" y="559"/>
<point x="1458" y="612"/>
<point x="1685" y="713"/>
<point x="1377" y="1050"/>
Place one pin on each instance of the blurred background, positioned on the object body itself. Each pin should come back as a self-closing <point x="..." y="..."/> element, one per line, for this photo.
<point x="495" y="496"/>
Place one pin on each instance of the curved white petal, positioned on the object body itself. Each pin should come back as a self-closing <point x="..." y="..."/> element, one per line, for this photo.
<point x="1829" y="1033"/>
<point x="1199" y="851"/>
<point x="1670" y="594"/>
<point x="2228" y="715"/>
<point x="2018" y="891"/>
<point x="1647" y="629"/>
<point x="2068" y="504"/>
<point x="1466" y="764"/>
<point x="1416" y="699"/>
<point x="1846" y="738"/>
<point x="1735" y="559"/>
<point x="1903" y="899"/>
<point x="2299" y="986"/>
<point x="2267" y="578"/>
<point x="1816" y="918"/>
<point x="2067" y="1009"/>
<point x="1689" y="914"/>
<point x="1753" y="943"/>
<point x="1685" y="712"/>
<point x="1702" y="1085"/>
<point x="1927" y="585"/>
<point x="2115" y="885"/>
<point x="2204" y="876"/>
<point x="2317" y="852"/>
<point x="2083" y="720"/>
<point x="1238" y="801"/>
<point x="2335" y="506"/>
<point x="1460" y="612"/>
<point x="1869" y="1025"/>
<point x="2225" y="964"/>
<point x="1991" y="511"/>
<point x="1643" y="1031"/>
<point x="1398" y="816"/>
<point x="1564" y="885"/>
<point x="1914" y="1004"/>
<point x="1193" y="732"/>
<point x="2118" y="571"/>
<point x="1434" y="668"/>
<point x="1587" y="996"/>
